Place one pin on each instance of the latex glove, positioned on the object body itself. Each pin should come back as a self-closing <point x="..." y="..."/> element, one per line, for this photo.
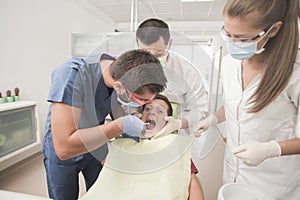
<point x="132" y="126"/>
<point x="171" y="126"/>
<point x="204" y="124"/>
<point x="254" y="153"/>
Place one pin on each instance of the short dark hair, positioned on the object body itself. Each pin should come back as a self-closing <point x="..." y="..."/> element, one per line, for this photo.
<point x="139" y="71"/>
<point x="150" y="30"/>
<point x="166" y="100"/>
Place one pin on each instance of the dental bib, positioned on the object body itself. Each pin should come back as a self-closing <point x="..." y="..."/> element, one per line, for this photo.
<point x="151" y="169"/>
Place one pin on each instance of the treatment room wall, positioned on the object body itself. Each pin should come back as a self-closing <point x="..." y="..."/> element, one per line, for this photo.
<point x="35" y="37"/>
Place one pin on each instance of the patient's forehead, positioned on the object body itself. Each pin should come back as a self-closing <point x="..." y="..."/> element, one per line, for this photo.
<point x="159" y="102"/>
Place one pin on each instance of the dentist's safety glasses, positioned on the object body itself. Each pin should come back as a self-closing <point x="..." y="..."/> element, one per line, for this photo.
<point x="137" y="102"/>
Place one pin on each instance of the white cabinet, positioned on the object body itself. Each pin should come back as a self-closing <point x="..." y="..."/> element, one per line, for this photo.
<point x="19" y="133"/>
<point x="115" y="43"/>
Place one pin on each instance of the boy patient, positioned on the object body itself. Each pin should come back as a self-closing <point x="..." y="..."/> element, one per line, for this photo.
<point x="153" y="115"/>
<point x="174" y="181"/>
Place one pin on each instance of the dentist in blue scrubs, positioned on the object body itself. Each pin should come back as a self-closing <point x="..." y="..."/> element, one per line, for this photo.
<point x="81" y="95"/>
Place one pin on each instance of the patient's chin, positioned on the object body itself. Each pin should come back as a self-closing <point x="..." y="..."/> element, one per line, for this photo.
<point x="152" y="129"/>
<point x="148" y="134"/>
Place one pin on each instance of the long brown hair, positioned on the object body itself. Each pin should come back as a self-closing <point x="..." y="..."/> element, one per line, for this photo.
<point x="281" y="50"/>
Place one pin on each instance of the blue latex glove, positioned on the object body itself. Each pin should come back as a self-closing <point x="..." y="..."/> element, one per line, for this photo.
<point x="132" y="125"/>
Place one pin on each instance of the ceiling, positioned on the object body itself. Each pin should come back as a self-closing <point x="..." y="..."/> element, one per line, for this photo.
<point x="169" y="10"/>
<point x="194" y="18"/>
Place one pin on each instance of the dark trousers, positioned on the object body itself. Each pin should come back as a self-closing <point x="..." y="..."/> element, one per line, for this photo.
<point x="63" y="179"/>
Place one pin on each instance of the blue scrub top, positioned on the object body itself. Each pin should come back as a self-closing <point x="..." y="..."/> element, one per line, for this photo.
<point x="79" y="83"/>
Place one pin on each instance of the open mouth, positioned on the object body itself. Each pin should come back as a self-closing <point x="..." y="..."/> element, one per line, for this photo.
<point x="151" y="124"/>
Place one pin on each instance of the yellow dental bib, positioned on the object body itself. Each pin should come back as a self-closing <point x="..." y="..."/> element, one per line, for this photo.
<point x="151" y="169"/>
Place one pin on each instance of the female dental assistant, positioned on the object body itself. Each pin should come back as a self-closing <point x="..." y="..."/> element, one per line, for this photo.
<point x="261" y="80"/>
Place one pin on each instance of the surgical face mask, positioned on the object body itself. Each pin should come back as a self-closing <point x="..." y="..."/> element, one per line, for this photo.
<point x="245" y="50"/>
<point x="131" y="104"/>
<point x="163" y="60"/>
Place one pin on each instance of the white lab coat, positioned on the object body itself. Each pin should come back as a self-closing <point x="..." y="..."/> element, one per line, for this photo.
<point x="280" y="176"/>
<point x="186" y="86"/>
